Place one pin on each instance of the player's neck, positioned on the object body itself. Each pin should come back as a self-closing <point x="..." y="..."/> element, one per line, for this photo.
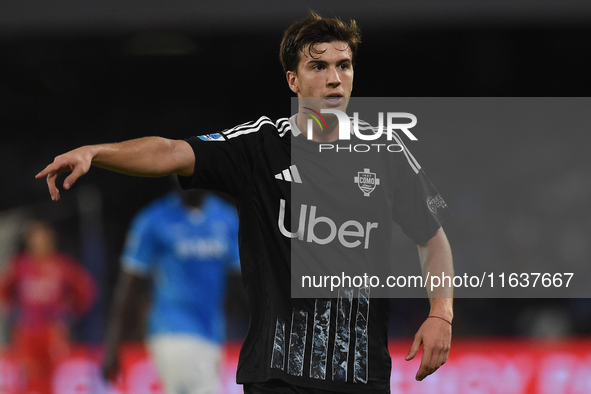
<point x="319" y="133"/>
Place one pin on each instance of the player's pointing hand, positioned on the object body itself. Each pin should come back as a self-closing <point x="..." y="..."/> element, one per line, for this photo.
<point x="77" y="161"/>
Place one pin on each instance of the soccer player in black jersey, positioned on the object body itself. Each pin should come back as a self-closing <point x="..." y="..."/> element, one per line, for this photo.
<point x="297" y="345"/>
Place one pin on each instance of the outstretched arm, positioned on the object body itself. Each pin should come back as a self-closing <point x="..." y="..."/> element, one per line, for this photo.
<point x="435" y="333"/>
<point x="148" y="156"/>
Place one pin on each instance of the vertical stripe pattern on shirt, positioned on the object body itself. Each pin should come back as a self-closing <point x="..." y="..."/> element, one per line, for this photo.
<point x="320" y="334"/>
<point x="340" y="355"/>
<point x="361" y="338"/>
<point x="278" y="356"/>
<point x="297" y="343"/>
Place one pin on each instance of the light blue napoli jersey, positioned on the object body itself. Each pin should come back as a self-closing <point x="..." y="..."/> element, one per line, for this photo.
<point x="188" y="254"/>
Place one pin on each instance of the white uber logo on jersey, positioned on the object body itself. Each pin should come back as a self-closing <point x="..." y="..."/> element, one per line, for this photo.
<point x="348" y="234"/>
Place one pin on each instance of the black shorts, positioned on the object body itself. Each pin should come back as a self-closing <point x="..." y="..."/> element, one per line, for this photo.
<point x="276" y="386"/>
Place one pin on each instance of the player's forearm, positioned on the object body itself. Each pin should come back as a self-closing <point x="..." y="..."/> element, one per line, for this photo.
<point x="122" y="302"/>
<point x="436" y="260"/>
<point x="113" y="336"/>
<point x="148" y="156"/>
<point x="124" y="305"/>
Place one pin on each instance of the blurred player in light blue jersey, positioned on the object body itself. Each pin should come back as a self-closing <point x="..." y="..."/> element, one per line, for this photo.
<point x="186" y="243"/>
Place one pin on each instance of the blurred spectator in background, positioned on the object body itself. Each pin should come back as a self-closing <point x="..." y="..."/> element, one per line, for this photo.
<point x="186" y="243"/>
<point x="45" y="290"/>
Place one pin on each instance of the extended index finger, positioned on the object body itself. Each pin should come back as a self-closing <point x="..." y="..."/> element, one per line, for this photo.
<point x="46" y="171"/>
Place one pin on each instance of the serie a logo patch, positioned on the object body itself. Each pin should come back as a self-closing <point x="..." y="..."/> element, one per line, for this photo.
<point x="211" y="137"/>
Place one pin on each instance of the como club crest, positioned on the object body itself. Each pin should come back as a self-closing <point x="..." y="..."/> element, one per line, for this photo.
<point x="367" y="181"/>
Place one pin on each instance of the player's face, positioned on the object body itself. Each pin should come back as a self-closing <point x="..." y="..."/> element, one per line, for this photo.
<point x="326" y="73"/>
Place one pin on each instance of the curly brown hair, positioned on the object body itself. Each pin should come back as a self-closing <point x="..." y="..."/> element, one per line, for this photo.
<point x="314" y="29"/>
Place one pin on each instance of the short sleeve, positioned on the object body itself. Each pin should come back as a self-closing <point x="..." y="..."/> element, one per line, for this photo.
<point x="418" y="207"/>
<point x="223" y="161"/>
<point x="140" y="246"/>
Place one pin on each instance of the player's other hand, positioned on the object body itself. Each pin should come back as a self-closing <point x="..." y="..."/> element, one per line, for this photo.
<point x="435" y="336"/>
<point x="77" y="161"/>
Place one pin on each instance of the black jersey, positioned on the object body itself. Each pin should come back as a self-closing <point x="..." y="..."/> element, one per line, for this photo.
<point x="338" y="343"/>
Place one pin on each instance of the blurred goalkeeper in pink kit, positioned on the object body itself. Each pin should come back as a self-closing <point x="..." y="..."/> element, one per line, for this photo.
<point x="45" y="290"/>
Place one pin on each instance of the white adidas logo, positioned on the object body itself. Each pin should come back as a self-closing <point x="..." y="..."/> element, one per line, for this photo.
<point x="290" y="174"/>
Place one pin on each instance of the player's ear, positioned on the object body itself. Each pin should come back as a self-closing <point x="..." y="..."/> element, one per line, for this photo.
<point x="292" y="81"/>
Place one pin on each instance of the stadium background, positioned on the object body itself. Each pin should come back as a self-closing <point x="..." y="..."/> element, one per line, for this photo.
<point x="74" y="73"/>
